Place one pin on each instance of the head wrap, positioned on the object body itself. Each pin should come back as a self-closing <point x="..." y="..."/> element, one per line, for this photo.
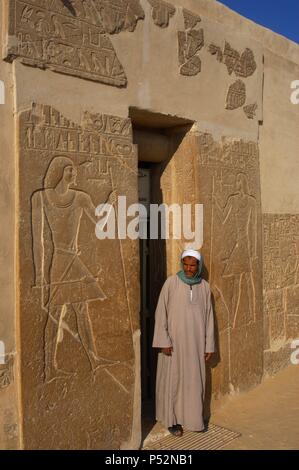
<point x="193" y="253"/>
<point x="196" y="279"/>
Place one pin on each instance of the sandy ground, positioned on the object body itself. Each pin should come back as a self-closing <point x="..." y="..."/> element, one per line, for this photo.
<point x="267" y="417"/>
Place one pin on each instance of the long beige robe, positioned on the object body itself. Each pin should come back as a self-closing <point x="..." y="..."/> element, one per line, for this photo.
<point x="186" y="324"/>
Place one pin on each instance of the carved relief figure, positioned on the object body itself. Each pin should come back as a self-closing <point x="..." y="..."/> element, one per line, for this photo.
<point x="241" y="211"/>
<point x="65" y="281"/>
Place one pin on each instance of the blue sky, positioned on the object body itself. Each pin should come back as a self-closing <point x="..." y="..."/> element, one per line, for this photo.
<point x="282" y="16"/>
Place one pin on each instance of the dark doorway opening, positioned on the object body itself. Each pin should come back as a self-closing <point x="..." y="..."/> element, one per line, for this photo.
<point x="157" y="137"/>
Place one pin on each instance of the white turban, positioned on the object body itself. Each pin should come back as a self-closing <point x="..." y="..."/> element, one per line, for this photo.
<point x="193" y="253"/>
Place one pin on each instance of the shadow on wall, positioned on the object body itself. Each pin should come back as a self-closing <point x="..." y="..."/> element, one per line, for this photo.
<point x="214" y="361"/>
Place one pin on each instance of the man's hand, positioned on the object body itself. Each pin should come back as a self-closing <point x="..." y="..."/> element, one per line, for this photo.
<point x="208" y="356"/>
<point x="167" y="351"/>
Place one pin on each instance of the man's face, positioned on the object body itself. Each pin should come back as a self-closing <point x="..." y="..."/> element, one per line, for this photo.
<point x="190" y="266"/>
<point x="70" y="174"/>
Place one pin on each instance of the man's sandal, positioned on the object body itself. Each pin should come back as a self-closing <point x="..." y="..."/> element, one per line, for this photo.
<point x="176" y="430"/>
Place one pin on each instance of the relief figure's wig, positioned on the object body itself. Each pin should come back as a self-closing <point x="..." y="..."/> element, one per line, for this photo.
<point x="55" y="170"/>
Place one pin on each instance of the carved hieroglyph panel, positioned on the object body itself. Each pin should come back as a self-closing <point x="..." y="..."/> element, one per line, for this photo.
<point x="119" y="15"/>
<point x="190" y="19"/>
<point x="236" y="95"/>
<point x="78" y="311"/>
<point x="230" y="57"/>
<point x="281" y="278"/>
<point x="228" y="186"/>
<point x="246" y="65"/>
<point x="216" y="50"/>
<point x="67" y="37"/>
<point x="250" y="110"/>
<point x="190" y="42"/>
<point x="243" y="65"/>
<point x="161" y="12"/>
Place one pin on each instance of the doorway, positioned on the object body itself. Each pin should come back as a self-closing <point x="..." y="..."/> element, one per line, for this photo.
<point x="157" y="138"/>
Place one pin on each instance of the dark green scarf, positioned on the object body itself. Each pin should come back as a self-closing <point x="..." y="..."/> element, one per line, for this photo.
<point x="196" y="279"/>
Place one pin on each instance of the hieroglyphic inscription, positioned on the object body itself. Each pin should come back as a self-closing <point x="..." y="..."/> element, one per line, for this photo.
<point x="192" y="67"/>
<point x="100" y="135"/>
<point x="82" y="348"/>
<point x="250" y="110"/>
<point x="161" y="12"/>
<point x="230" y="57"/>
<point x="281" y="251"/>
<point x="6" y="371"/>
<point x="281" y="276"/>
<point x="243" y="65"/>
<point x="190" y="19"/>
<point x="213" y="49"/>
<point x="246" y="65"/>
<point x="70" y="40"/>
<point x="190" y="42"/>
<point x="236" y="95"/>
<point x="119" y="15"/>
<point x="237" y="155"/>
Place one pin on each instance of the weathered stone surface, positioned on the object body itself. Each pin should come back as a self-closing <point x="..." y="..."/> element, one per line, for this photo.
<point x="119" y="15"/>
<point x="236" y="95"/>
<point x="216" y="50"/>
<point x="231" y="57"/>
<point x="250" y="110"/>
<point x="224" y="177"/>
<point x="191" y="67"/>
<point x="161" y="12"/>
<point x="243" y="65"/>
<point x="281" y="279"/>
<point x="6" y="372"/>
<point x="228" y="186"/>
<point x="190" y="42"/>
<point x="190" y="19"/>
<point x="220" y="364"/>
<point x="246" y="65"/>
<point x="77" y="322"/>
<point x="276" y="360"/>
<point x="66" y="37"/>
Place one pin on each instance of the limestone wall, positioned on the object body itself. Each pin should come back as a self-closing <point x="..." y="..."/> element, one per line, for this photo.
<point x="73" y="72"/>
<point x="10" y="429"/>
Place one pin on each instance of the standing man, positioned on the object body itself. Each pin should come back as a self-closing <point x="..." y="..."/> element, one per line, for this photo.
<point x="184" y="332"/>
